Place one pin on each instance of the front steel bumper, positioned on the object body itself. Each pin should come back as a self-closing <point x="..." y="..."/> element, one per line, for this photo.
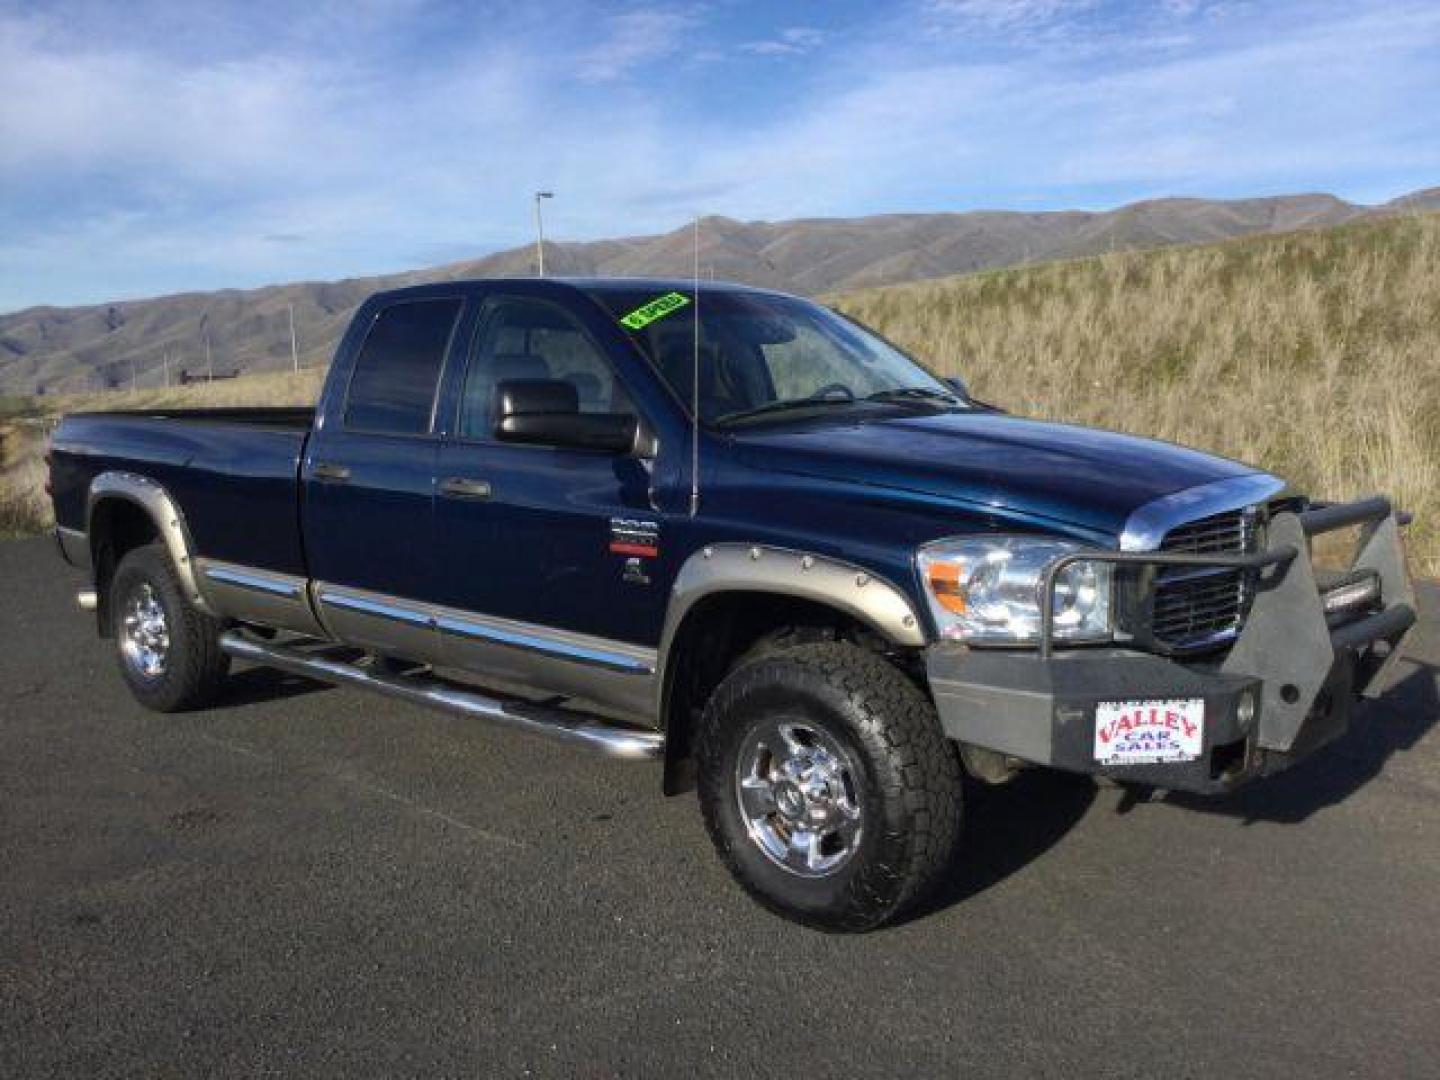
<point x="1300" y="670"/>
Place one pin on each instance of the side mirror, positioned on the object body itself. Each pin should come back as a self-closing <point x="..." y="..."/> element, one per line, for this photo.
<point x="546" y="412"/>
<point x="954" y="382"/>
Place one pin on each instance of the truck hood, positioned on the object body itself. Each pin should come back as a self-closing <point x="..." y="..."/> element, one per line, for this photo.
<point x="1077" y="476"/>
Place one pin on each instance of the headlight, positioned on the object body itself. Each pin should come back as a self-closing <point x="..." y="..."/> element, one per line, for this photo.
<point x="987" y="589"/>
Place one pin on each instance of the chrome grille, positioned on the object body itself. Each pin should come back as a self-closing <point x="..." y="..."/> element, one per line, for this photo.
<point x="1196" y="608"/>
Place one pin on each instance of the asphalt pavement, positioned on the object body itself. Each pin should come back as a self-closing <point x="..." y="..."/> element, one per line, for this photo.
<point x="308" y="881"/>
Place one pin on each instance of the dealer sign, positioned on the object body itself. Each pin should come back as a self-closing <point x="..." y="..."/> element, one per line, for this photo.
<point x="1149" y="732"/>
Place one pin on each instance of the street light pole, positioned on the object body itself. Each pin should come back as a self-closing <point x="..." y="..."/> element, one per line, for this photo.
<point x="540" y="230"/>
<point x="294" y="352"/>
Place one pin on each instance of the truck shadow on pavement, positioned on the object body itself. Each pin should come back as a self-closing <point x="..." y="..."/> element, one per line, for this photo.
<point x="1378" y="730"/>
<point x="1005" y="829"/>
<point x="254" y="686"/>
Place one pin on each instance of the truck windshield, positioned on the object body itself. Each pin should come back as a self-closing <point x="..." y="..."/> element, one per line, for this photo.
<point x="764" y="355"/>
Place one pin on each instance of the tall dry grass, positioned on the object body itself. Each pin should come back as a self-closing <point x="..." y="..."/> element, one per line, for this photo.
<point x="1313" y="355"/>
<point x="23" y="505"/>
<point x="273" y="388"/>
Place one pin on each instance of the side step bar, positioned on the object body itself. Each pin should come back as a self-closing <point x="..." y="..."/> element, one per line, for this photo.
<point x="562" y="725"/>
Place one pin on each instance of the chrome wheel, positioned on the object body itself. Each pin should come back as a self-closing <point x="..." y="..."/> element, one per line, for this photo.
<point x="144" y="633"/>
<point x="799" y="797"/>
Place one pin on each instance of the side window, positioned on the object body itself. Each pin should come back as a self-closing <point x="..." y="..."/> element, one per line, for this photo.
<point x="534" y="339"/>
<point x="392" y="389"/>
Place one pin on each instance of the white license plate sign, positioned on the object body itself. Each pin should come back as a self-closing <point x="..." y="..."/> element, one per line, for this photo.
<point x="1149" y="732"/>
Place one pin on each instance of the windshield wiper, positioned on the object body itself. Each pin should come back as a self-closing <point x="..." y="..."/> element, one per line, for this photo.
<point x="898" y="394"/>
<point x="783" y="405"/>
<point x="915" y="393"/>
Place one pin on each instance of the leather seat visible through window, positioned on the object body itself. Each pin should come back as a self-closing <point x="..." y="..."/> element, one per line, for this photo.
<point x="589" y="390"/>
<point x="518" y="366"/>
<point x="720" y="391"/>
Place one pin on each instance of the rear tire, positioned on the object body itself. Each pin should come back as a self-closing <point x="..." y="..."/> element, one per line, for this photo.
<point x="827" y="786"/>
<point x="168" y="650"/>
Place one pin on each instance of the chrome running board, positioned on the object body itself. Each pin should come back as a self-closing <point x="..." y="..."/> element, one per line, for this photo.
<point x="561" y="725"/>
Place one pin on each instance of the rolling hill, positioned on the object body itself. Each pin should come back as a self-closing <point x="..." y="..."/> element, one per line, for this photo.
<point x="50" y="350"/>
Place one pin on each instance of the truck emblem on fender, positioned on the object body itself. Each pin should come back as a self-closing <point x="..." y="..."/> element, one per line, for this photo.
<point x="635" y="537"/>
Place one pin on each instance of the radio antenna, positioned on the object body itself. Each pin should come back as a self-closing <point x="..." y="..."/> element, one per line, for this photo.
<point x="695" y="378"/>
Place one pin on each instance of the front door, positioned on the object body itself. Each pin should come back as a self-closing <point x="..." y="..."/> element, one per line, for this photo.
<point x="552" y="545"/>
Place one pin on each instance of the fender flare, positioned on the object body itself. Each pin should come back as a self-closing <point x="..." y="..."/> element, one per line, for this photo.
<point x="161" y="508"/>
<point x="761" y="568"/>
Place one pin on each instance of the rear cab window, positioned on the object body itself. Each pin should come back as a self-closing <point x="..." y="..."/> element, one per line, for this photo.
<point x="393" y="386"/>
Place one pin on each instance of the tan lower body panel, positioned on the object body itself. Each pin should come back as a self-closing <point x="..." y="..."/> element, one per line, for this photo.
<point x="249" y="594"/>
<point x="614" y="675"/>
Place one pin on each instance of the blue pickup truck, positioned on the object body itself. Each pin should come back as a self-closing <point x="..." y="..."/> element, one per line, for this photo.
<point x="738" y="532"/>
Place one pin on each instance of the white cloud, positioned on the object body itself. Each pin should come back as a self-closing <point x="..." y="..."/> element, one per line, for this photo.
<point x="1005" y="14"/>
<point x="1323" y="105"/>
<point x="791" y="41"/>
<point x="86" y="107"/>
<point x="636" y="38"/>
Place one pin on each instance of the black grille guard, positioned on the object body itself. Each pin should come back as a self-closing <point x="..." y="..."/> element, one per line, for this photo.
<point x="1285" y="639"/>
<point x="1259" y="560"/>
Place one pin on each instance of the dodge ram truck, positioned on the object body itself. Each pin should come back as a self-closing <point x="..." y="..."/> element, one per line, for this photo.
<point x="738" y="532"/>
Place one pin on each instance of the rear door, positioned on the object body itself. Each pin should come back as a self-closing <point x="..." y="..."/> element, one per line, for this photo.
<point x="368" y="481"/>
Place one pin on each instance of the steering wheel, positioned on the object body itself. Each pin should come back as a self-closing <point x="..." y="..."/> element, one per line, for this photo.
<point x="833" y="388"/>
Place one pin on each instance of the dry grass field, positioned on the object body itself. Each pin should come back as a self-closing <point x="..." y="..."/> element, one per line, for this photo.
<point x="23" y="507"/>
<point x="1315" y="355"/>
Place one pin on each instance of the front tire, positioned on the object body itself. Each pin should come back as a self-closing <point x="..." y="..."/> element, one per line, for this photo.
<point x="827" y="786"/>
<point x="169" y="652"/>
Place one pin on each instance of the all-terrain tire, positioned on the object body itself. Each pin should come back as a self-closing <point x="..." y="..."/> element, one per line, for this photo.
<point x="193" y="669"/>
<point x="907" y="781"/>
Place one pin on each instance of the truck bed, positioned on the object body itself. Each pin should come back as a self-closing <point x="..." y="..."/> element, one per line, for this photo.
<point x="235" y="472"/>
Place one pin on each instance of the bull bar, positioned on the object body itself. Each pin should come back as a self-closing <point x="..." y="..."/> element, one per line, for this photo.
<point x="1283" y="687"/>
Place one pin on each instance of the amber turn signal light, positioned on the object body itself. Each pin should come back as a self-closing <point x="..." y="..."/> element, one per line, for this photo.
<point x="945" y="587"/>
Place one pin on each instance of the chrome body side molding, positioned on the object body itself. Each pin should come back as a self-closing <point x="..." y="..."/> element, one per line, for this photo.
<point x="169" y="521"/>
<point x="562" y="725"/>
<point x="629" y="659"/>
<point x="250" y="594"/>
<point x="612" y="674"/>
<point x="1147" y="526"/>
<point x="254" y="580"/>
<point x="383" y="624"/>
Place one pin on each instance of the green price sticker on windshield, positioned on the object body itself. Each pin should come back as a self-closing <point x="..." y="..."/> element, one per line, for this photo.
<point x="658" y="308"/>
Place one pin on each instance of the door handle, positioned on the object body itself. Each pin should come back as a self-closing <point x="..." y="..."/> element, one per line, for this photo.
<point x="462" y="487"/>
<point x="329" y="472"/>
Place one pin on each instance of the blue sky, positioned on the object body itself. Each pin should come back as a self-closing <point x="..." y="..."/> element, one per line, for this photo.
<point x="150" y="146"/>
